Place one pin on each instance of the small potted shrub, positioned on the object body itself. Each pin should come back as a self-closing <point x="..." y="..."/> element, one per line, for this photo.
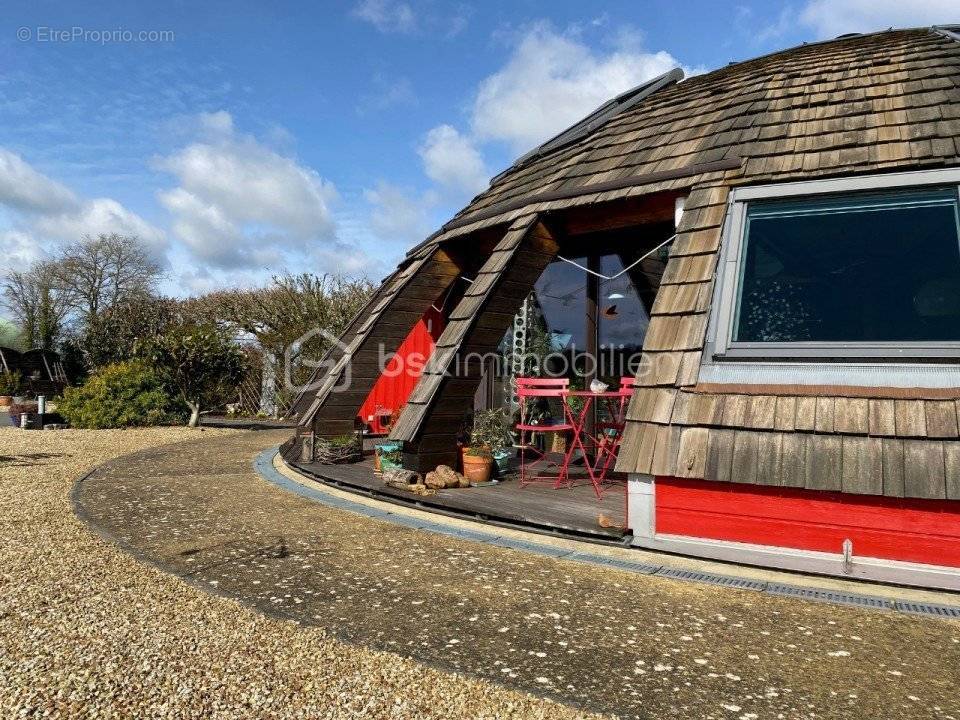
<point x="488" y="444"/>
<point x="10" y="385"/>
<point x="477" y="464"/>
<point x="338" y="450"/>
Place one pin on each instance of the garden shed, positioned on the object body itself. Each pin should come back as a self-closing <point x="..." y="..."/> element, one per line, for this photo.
<point x="777" y="243"/>
<point x="40" y="371"/>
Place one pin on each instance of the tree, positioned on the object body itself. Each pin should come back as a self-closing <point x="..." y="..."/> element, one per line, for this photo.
<point x="97" y="273"/>
<point x="201" y="363"/>
<point x="114" y="336"/>
<point x="11" y="336"/>
<point x="281" y="313"/>
<point x="38" y="303"/>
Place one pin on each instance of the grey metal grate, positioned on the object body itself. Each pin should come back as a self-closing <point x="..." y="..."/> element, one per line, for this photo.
<point x="588" y="558"/>
<point x="722" y="580"/>
<point x="830" y="596"/>
<point x="461" y="533"/>
<point x="637" y="567"/>
<point x="628" y="565"/>
<point x="945" y="611"/>
<point x="408" y="521"/>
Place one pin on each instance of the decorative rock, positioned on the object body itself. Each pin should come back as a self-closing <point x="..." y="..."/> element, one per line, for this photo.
<point x="400" y="478"/>
<point x="432" y="480"/>
<point x="421" y="489"/>
<point x="445" y="477"/>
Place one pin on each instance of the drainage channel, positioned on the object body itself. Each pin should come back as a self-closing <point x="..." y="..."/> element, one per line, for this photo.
<point x="263" y="464"/>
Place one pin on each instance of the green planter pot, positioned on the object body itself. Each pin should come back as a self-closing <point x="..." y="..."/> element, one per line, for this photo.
<point x="501" y="460"/>
<point x="384" y="451"/>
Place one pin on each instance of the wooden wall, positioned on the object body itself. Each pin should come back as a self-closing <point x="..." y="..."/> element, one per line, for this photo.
<point x="432" y="417"/>
<point x="388" y="323"/>
<point x="874" y="441"/>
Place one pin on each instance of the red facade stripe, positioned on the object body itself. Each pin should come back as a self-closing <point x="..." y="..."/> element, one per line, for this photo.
<point x="401" y="373"/>
<point x="924" y="531"/>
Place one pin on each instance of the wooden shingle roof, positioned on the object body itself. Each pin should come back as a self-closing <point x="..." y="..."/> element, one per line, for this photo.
<point x="856" y="104"/>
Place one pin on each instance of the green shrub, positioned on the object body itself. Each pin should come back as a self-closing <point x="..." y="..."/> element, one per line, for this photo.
<point x="11" y="383"/>
<point x="121" y="395"/>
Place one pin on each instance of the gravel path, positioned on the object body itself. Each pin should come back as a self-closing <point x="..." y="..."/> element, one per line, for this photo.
<point x="86" y="631"/>
<point x="592" y="637"/>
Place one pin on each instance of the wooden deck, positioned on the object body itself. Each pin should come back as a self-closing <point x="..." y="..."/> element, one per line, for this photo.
<point x="573" y="510"/>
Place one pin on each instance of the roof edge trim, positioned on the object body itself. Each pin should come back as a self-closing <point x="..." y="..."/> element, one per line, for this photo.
<point x="731" y="163"/>
<point x="950" y="31"/>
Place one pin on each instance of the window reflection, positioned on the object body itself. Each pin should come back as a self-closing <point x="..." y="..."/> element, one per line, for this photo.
<point x="862" y="268"/>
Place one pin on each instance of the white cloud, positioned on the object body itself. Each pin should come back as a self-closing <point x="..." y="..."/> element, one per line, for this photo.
<point x="785" y="22"/>
<point x="239" y="202"/>
<point x="458" y="21"/>
<point x="101" y="215"/>
<point x="398" y="215"/>
<point x="20" y="250"/>
<point x="552" y="80"/>
<point x="23" y="188"/>
<point x="216" y="124"/>
<point x="203" y="227"/>
<point x="830" y="18"/>
<point x="387" y="16"/>
<point x="44" y="213"/>
<point x="453" y="161"/>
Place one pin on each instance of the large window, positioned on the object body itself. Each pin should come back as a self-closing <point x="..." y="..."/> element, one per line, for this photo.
<point x="869" y="273"/>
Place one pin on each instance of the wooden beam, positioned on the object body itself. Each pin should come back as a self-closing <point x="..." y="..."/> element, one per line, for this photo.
<point x="398" y="308"/>
<point x="617" y="214"/>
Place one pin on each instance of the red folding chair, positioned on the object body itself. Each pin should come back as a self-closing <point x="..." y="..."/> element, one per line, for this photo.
<point x="610" y="432"/>
<point x="535" y="465"/>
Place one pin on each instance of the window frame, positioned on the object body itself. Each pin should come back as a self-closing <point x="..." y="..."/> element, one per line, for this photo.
<point x="721" y="346"/>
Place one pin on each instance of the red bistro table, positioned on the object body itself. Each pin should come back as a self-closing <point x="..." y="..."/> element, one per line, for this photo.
<point x="604" y="444"/>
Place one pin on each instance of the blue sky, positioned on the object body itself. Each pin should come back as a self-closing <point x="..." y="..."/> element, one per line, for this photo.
<point x="250" y="138"/>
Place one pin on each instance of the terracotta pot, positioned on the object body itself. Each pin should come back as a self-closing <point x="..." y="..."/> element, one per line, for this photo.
<point x="477" y="468"/>
<point x="6" y="400"/>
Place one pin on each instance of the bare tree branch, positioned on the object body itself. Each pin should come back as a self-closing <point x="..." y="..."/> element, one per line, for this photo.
<point x="97" y="273"/>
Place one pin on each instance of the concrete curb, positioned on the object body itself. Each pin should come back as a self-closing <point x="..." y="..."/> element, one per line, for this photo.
<point x="264" y="466"/>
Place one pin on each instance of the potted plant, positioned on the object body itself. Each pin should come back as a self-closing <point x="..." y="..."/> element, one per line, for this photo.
<point x="10" y="385"/>
<point x="338" y="450"/>
<point x="387" y="456"/>
<point x="488" y="444"/>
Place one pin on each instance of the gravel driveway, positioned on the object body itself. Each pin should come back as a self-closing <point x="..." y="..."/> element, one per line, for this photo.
<point x="87" y="631"/>
<point x="594" y="638"/>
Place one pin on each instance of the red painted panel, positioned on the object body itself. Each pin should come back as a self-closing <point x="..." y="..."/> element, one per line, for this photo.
<point x="925" y="531"/>
<point x="400" y="375"/>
